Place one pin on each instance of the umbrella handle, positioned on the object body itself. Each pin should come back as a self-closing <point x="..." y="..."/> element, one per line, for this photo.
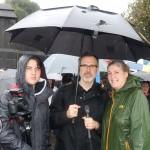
<point x="73" y="120"/>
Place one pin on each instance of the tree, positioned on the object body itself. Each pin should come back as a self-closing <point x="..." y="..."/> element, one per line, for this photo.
<point x="138" y="14"/>
<point x="23" y="8"/>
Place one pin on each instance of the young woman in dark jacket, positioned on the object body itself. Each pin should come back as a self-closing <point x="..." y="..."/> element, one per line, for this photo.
<point x="28" y="127"/>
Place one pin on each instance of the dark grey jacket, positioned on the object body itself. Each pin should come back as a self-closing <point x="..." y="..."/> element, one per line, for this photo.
<point x="74" y="136"/>
<point x="10" y="136"/>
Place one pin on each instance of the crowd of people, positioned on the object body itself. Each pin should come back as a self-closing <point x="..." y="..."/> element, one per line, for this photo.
<point x="83" y="113"/>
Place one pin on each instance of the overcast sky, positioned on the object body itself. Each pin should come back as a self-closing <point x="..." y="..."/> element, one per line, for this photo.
<point x="111" y="5"/>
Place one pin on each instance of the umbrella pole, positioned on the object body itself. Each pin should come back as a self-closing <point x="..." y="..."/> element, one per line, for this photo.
<point x="75" y="100"/>
<point x="76" y="89"/>
<point x="73" y="119"/>
<point x="82" y="40"/>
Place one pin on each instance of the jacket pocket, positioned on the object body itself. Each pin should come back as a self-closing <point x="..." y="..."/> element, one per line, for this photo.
<point x="127" y="145"/>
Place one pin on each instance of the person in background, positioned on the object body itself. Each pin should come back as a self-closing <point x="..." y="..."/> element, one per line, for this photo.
<point x="54" y="88"/>
<point x="70" y="114"/>
<point x="24" y="109"/>
<point x="52" y="84"/>
<point x="102" y="84"/>
<point x="126" y="121"/>
<point x="146" y="89"/>
<point x="67" y="78"/>
<point x="52" y="77"/>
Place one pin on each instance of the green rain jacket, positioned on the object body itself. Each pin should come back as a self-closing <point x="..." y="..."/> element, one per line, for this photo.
<point x="126" y="122"/>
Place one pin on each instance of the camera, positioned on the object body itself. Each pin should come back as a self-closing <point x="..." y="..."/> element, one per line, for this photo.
<point x="17" y="106"/>
<point x="18" y="109"/>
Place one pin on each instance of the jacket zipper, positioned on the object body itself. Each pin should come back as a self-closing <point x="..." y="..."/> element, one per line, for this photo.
<point x="110" y="116"/>
<point x="34" y="105"/>
<point x="127" y="145"/>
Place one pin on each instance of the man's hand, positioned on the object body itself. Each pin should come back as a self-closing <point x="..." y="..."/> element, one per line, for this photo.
<point x="90" y="123"/>
<point x="72" y="111"/>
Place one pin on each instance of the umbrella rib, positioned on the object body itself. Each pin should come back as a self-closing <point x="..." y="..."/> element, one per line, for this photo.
<point x="52" y="41"/>
<point x="82" y="41"/>
<point x="127" y="45"/>
<point x="92" y="44"/>
<point x="69" y="14"/>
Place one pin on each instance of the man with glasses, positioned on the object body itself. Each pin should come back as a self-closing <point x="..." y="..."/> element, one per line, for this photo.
<point x="77" y="109"/>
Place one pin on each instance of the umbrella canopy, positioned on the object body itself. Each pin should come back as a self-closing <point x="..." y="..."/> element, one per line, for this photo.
<point x="146" y="68"/>
<point x="134" y="66"/>
<point x="73" y="30"/>
<point x="143" y="75"/>
<point x="54" y="76"/>
<point x="60" y="63"/>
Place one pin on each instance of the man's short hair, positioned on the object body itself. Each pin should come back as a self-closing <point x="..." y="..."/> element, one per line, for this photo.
<point x="88" y="54"/>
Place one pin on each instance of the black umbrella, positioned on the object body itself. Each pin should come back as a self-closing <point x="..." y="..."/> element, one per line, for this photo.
<point x="73" y="30"/>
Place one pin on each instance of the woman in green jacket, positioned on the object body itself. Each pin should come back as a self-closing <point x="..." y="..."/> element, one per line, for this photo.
<point x="126" y="122"/>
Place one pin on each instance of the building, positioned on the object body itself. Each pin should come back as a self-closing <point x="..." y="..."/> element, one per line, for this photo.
<point x="10" y="53"/>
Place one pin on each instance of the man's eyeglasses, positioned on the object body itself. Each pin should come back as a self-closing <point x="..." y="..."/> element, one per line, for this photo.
<point x="88" y="66"/>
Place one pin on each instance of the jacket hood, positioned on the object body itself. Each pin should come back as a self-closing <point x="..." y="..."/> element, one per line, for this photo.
<point x="132" y="81"/>
<point x="20" y="74"/>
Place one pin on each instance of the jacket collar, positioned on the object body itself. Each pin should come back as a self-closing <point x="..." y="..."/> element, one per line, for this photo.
<point x="132" y="81"/>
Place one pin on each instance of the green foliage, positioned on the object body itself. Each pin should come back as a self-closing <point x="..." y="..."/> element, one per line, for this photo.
<point x="138" y="14"/>
<point x="23" y="8"/>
